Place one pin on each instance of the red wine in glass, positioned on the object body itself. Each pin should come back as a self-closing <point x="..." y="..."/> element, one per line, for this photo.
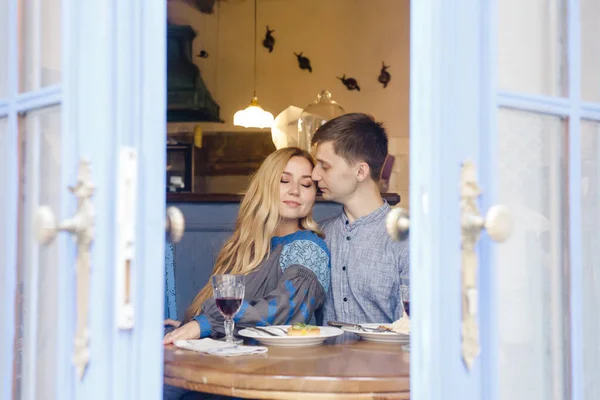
<point x="228" y="291"/>
<point x="228" y="306"/>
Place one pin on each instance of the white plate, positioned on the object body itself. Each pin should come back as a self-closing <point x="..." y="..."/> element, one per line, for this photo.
<point x="290" y="341"/>
<point x="386" y="337"/>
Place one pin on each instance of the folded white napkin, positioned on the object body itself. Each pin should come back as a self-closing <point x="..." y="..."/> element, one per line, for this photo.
<point x="219" y="348"/>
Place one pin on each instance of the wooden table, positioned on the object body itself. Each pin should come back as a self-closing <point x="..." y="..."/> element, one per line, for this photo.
<point x="348" y="370"/>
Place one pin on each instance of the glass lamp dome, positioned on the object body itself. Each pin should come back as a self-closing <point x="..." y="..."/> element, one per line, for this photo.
<point x="316" y="114"/>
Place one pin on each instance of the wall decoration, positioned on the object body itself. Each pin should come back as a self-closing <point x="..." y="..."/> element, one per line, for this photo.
<point x="202" y="54"/>
<point x="350" y="83"/>
<point x="269" y="41"/>
<point x="384" y="76"/>
<point x="303" y="62"/>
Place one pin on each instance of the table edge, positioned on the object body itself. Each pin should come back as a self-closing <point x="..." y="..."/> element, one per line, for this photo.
<point x="282" y="394"/>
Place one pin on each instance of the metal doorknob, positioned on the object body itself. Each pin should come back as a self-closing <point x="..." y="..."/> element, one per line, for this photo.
<point x="397" y="223"/>
<point x="498" y="223"/>
<point x="47" y="228"/>
<point x="175" y="224"/>
<point x="81" y="224"/>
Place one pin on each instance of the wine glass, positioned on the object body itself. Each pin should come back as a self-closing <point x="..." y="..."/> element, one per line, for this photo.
<point x="229" y="293"/>
<point x="406" y="310"/>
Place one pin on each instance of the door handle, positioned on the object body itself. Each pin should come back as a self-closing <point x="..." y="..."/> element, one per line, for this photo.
<point x="397" y="223"/>
<point x="81" y="226"/>
<point x="174" y="224"/>
<point x="498" y="224"/>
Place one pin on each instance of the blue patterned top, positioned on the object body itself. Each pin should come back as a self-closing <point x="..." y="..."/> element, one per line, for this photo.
<point x="307" y="249"/>
<point x="289" y="286"/>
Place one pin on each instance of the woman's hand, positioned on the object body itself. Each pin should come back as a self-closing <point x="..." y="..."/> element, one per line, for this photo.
<point x="172" y="322"/>
<point x="191" y="330"/>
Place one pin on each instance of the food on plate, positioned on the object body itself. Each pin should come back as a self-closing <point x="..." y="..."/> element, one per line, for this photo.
<point x="384" y="328"/>
<point x="303" y="330"/>
<point x="401" y="325"/>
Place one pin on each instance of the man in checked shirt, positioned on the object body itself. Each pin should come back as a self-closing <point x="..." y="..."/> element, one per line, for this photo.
<point x="369" y="270"/>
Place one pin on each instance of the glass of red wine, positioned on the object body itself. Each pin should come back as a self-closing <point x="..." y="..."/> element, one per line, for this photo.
<point x="229" y="293"/>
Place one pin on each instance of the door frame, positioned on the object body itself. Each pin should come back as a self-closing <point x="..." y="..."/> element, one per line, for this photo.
<point x="451" y="44"/>
<point x="450" y="71"/>
<point x="113" y="94"/>
<point x="124" y="59"/>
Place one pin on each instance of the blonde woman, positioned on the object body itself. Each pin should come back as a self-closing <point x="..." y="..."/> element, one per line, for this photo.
<point x="277" y="245"/>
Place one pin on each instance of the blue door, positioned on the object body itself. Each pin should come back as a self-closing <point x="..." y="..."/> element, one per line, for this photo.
<point x="505" y="101"/>
<point x="82" y="143"/>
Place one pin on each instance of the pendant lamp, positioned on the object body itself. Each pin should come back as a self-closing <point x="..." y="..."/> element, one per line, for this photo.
<point x="253" y="116"/>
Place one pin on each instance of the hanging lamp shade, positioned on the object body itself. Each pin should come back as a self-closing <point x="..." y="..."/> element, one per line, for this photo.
<point x="253" y="116"/>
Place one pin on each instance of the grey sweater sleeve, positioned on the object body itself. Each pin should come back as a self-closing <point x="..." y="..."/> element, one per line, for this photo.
<point x="297" y="295"/>
<point x="328" y="309"/>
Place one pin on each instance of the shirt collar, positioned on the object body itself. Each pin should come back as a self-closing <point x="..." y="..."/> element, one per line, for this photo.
<point x="298" y="235"/>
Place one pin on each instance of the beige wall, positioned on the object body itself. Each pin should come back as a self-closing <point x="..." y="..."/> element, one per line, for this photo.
<point x="339" y="36"/>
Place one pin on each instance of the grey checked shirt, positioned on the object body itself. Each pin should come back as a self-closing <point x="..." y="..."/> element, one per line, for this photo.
<point x="368" y="269"/>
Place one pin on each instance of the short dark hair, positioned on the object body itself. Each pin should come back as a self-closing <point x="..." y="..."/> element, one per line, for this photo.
<point x="356" y="137"/>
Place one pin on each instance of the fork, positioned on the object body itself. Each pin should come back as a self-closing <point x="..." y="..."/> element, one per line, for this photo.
<point x="281" y="329"/>
<point x="355" y="326"/>
<point x="265" y="330"/>
<point x="358" y="326"/>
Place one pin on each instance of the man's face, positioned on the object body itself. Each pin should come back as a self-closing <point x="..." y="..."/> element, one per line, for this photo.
<point x="335" y="177"/>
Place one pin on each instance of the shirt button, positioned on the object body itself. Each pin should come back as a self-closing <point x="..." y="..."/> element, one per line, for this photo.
<point x="347" y="237"/>
<point x="347" y="222"/>
<point x="344" y="268"/>
<point x="345" y="299"/>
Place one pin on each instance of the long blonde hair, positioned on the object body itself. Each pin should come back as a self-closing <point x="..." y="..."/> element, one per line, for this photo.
<point x="257" y="219"/>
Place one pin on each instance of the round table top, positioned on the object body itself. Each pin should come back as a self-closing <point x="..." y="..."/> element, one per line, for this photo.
<point x="350" y="369"/>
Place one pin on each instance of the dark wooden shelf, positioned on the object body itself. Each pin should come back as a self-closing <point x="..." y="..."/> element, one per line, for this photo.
<point x="391" y="198"/>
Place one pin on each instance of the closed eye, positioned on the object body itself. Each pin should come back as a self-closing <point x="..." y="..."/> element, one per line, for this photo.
<point x="323" y="164"/>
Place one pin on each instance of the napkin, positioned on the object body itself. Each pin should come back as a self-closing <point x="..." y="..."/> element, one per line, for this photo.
<point x="219" y="348"/>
